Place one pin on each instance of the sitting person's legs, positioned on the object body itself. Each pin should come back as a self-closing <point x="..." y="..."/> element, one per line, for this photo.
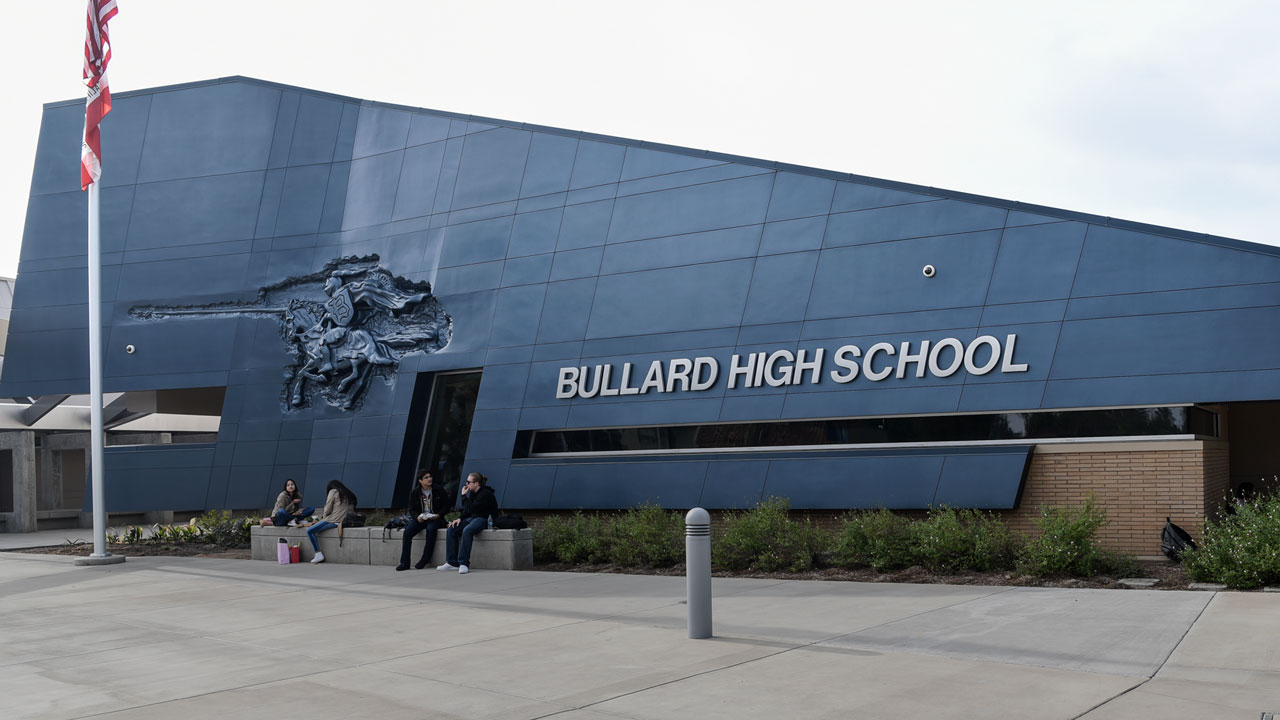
<point x="315" y="530"/>
<point x="414" y="527"/>
<point x="451" y="545"/>
<point x="469" y="530"/>
<point x="429" y="541"/>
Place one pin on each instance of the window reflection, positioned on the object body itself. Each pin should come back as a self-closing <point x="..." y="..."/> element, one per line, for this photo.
<point x="944" y="428"/>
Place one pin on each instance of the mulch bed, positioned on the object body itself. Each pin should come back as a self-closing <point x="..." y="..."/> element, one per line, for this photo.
<point x="1169" y="574"/>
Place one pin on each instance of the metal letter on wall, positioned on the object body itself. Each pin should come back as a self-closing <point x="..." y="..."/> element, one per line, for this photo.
<point x="342" y="325"/>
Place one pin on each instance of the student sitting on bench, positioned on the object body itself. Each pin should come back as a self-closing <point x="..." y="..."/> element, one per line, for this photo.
<point x="478" y="505"/>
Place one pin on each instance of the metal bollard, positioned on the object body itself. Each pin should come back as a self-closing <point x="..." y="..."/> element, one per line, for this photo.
<point x="697" y="560"/>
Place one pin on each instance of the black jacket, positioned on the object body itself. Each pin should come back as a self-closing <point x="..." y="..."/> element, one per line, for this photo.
<point x="479" y="504"/>
<point x="440" y="504"/>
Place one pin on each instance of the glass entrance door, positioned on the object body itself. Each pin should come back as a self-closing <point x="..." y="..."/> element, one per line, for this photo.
<point x="444" y="440"/>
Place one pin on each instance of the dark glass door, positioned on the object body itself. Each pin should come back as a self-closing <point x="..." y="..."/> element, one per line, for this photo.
<point x="444" y="440"/>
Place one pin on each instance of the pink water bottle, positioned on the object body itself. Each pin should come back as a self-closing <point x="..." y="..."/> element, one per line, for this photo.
<point x="282" y="552"/>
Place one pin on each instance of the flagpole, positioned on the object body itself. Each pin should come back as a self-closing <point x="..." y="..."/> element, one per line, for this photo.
<point x="97" y="53"/>
<point x="95" y="378"/>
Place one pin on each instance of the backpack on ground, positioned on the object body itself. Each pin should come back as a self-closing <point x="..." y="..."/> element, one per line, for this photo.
<point x="1174" y="541"/>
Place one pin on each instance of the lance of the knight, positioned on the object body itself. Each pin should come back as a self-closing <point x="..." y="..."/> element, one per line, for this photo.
<point x="150" y="313"/>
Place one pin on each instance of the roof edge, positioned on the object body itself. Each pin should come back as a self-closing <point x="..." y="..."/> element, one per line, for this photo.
<point x="1013" y="205"/>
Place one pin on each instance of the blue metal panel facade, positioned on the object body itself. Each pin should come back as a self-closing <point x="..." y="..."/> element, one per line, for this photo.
<point x="550" y="249"/>
<point x="988" y="478"/>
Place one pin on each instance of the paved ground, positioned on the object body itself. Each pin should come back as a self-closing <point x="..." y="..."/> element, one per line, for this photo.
<point x="199" y="638"/>
<point x="44" y="538"/>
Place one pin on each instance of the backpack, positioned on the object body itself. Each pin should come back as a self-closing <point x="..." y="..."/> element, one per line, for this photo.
<point x="509" y="522"/>
<point x="398" y="522"/>
<point x="1174" y="541"/>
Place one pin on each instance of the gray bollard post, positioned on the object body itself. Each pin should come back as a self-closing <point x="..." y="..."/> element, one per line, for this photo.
<point x="697" y="562"/>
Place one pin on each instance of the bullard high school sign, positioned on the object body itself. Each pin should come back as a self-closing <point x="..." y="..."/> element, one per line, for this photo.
<point x="783" y="367"/>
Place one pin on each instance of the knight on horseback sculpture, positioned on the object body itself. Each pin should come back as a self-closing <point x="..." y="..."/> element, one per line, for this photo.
<point x="368" y="322"/>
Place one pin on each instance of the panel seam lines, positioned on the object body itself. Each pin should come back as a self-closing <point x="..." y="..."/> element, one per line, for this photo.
<point x="982" y="314"/>
<point x="1057" y="340"/>
<point x="813" y="281"/>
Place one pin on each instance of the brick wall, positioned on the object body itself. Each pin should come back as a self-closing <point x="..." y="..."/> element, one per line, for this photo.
<point x="1139" y="484"/>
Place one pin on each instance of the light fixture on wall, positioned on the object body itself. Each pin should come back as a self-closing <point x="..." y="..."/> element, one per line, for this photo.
<point x="929" y="271"/>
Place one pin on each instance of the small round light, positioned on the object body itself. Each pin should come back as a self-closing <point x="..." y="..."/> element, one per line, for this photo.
<point x="929" y="271"/>
<point x="129" y="349"/>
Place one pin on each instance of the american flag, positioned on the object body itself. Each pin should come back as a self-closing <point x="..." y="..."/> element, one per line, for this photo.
<point x="97" y="53"/>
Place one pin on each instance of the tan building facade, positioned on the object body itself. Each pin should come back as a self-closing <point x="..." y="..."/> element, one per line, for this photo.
<point x="1138" y="484"/>
<point x="1141" y="483"/>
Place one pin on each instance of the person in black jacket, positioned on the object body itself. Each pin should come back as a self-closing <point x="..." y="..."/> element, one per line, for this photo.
<point x="427" y="507"/>
<point x="478" y="505"/>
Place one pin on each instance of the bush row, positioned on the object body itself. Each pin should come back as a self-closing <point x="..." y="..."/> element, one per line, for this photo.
<point x="768" y="539"/>
<point x="647" y="536"/>
<point x="1241" y="548"/>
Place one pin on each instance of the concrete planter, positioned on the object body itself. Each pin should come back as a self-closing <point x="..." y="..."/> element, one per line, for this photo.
<point x="493" y="549"/>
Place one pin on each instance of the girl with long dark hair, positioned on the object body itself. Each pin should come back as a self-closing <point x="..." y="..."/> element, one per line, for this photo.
<point x="338" y="501"/>
<point x="288" y="510"/>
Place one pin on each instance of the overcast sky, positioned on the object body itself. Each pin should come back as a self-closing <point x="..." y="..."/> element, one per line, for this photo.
<point x="1160" y="112"/>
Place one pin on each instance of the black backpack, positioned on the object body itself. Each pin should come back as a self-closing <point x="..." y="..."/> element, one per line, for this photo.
<point x="398" y="522"/>
<point x="509" y="522"/>
<point x="352" y="520"/>
<point x="1174" y="541"/>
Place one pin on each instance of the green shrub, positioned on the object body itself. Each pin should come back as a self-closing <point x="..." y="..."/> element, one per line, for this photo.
<point x="377" y="518"/>
<point x="878" y="539"/>
<point x="131" y="536"/>
<point x="219" y="528"/>
<point x="766" y="539"/>
<point x="578" y="538"/>
<point x="1241" y="550"/>
<point x="646" y="536"/>
<point x="955" y="541"/>
<point x="1068" y="544"/>
<point x="170" y="534"/>
<point x="1119" y="564"/>
<point x="548" y="536"/>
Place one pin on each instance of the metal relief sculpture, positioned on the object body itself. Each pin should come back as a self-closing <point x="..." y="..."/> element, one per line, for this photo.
<point x="342" y="325"/>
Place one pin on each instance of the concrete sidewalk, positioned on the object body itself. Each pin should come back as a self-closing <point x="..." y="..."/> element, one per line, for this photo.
<point x="62" y="536"/>
<point x="45" y="538"/>
<point x="202" y="638"/>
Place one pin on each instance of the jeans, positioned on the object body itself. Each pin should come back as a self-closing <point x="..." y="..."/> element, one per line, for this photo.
<point x="282" y="516"/>
<point x="413" y="528"/>
<point x="316" y="529"/>
<point x="467" y="529"/>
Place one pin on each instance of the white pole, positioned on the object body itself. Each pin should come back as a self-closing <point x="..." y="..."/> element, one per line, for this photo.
<point x="697" y="563"/>
<point x="95" y="379"/>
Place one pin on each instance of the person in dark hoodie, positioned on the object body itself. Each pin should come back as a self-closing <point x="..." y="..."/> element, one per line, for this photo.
<point x="478" y="505"/>
<point x="427" y="506"/>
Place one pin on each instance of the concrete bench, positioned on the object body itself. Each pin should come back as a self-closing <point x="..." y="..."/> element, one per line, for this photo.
<point x="492" y="550"/>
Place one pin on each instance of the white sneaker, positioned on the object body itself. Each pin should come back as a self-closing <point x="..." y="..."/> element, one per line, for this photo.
<point x="446" y="566"/>
<point x="319" y="558"/>
<point x="463" y="569"/>
<point x="293" y="523"/>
